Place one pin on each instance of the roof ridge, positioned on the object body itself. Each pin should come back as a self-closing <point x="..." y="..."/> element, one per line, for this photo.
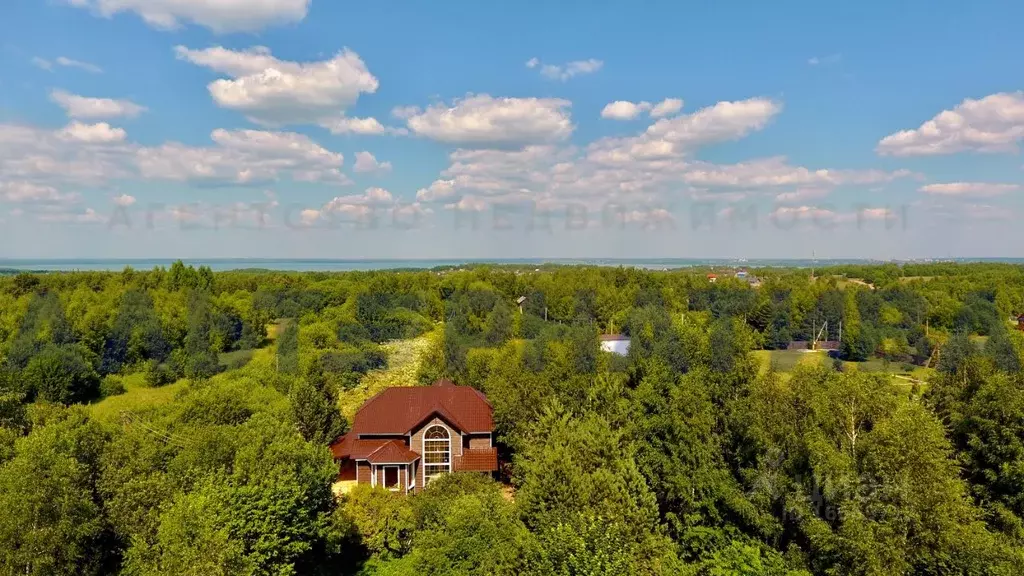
<point x="385" y="445"/>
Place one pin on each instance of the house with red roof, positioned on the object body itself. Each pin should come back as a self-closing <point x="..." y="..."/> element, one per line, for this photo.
<point x="404" y="437"/>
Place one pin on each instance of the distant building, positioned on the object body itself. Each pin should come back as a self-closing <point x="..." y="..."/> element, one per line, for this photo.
<point x="741" y="274"/>
<point x="615" y="343"/>
<point x="712" y="278"/>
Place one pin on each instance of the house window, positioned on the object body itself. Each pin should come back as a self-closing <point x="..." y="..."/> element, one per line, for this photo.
<point x="437" y="453"/>
<point x="391" y="477"/>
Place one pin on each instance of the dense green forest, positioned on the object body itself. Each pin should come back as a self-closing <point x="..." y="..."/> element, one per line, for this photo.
<point x="176" y="421"/>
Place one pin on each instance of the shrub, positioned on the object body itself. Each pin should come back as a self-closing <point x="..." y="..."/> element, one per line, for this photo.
<point x="158" y="374"/>
<point x="61" y="374"/>
<point x="111" y="386"/>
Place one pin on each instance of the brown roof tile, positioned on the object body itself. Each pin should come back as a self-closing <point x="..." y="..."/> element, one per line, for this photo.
<point x="348" y="446"/>
<point x="478" y="460"/>
<point x="401" y="410"/>
<point x="393" y="452"/>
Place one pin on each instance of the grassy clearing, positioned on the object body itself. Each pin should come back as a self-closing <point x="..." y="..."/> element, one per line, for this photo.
<point x="138" y="396"/>
<point x="274" y="329"/>
<point x="786" y="360"/>
<point x="235" y="359"/>
<point x="404" y="360"/>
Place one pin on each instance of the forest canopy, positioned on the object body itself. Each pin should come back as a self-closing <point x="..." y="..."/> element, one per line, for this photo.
<point x="177" y="421"/>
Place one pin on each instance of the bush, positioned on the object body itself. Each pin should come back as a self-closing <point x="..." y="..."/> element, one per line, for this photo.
<point x="352" y="332"/>
<point x="410" y="324"/>
<point x="61" y="374"/>
<point x="361" y="360"/>
<point x="158" y="374"/>
<point x="530" y="326"/>
<point x="111" y="386"/>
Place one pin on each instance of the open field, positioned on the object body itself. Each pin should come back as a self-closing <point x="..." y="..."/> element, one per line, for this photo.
<point x="786" y="360"/>
<point x="404" y="359"/>
<point x="138" y="395"/>
<point x="235" y="359"/>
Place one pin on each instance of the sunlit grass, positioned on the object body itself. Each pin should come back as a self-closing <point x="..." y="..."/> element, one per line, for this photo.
<point x="138" y="396"/>
<point x="786" y="360"/>
<point x="404" y="359"/>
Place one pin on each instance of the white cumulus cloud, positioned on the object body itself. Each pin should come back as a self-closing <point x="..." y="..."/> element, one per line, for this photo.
<point x="363" y="126"/>
<point x="123" y="200"/>
<point x="566" y="71"/>
<point x="99" y="133"/>
<point x="969" y="189"/>
<point x="32" y="193"/>
<point x="88" y="216"/>
<point x="243" y="157"/>
<point x="272" y="91"/>
<point x="624" y="110"/>
<point x="217" y="15"/>
<point x="481" y="120"/>
<point x="667" y="107"/>
<point x="438" y="190"/>
<point x="718" y="123"/>
<point x="85" y="108"/>
<point x="992" y="124"/>
<point x="367" y="162"/>
<point x="802" y="194"/>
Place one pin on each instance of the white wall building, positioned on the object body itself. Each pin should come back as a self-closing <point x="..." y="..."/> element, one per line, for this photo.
<point x="616" y="343"/>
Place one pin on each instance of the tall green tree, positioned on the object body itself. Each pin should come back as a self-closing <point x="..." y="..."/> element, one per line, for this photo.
<point x="60" y="374"/>
<point x="53" y="522"/>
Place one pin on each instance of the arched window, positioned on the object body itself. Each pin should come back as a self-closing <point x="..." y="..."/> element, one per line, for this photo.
<point x="437" y="452"/>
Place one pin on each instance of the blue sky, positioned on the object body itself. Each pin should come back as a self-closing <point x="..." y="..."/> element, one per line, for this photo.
<point x="296" y="128"/>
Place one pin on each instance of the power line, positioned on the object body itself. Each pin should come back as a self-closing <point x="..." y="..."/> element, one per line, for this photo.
<point x="130" y="418"/>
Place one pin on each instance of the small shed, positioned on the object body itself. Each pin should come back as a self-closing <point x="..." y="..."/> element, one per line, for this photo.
<point x="519" y="302"/>
<point x="615" y="343"/>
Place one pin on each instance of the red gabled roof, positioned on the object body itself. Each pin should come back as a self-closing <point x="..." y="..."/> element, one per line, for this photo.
<point x="348" y="446"/>
<point x="401" y="410"/>
<point x="393" y="452"/>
